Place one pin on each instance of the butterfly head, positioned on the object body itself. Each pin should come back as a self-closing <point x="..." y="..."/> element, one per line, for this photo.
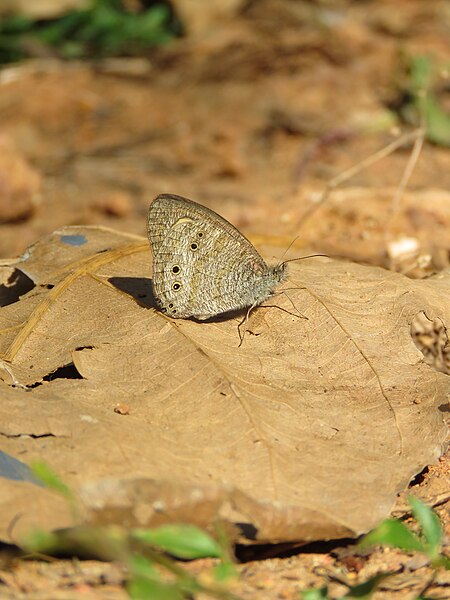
<point x="279" y="272"/>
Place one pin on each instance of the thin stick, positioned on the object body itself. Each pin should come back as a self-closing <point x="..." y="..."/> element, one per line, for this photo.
<point x="414" y="157"/>
<point x="367" y="162"/>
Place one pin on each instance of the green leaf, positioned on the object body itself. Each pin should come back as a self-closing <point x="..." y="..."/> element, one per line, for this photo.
<point x="103" y="28"/>
<point x="107" y="543"/>
<point x="141" y="567"/>
<point x="420" y="73"/>
<point x="437" y="121"/>
<point x="147" y="589"/>
<point x="315" y="594"/>
<point x="393" y="533"/>
<point x="182" y="541"/>
<point x="224" y="571"/>
<point x="38" y="540"/>
<point x="431" y="526"/>
<point x="45" y="473"/>
<point x="440" y="561"/>
<point x="365" y="590"/>
<point x="15" y="24"/>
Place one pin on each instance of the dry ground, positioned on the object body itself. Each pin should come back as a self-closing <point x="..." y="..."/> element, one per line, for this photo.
<point x="252" y="119"/>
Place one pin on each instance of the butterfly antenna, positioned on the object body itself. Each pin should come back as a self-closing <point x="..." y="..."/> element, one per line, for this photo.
<point x="289" y="247"/>
<point x="303" y="257"/>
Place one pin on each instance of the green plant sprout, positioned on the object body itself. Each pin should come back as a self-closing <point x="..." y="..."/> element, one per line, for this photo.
<point x="396" y="534"/>
<point x="393" y="532"/>
<point x="103" y="28"/>
<point x="363" y="591"/>
<point x="152" y="573"/>
<point x="50" y="479"/>
<point x="424" y="102"/>
<point x="145" y="550"/>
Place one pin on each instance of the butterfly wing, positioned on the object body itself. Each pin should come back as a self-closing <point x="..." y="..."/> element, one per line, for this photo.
<point x="202" y="265"/>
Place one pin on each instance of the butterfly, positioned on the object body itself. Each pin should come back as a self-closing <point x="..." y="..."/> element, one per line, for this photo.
<point x="202" y="265"/>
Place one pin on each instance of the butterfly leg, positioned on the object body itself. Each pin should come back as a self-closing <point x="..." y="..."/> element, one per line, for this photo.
<point x="298" y="313"/>
<point x="247" y="314"/>
<point x="244" y="323"/>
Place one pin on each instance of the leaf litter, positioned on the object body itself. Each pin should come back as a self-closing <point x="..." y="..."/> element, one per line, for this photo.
<point x="306" y="432"/>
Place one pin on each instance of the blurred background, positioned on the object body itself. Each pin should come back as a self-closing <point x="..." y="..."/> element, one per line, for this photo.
<point x="250" y="107"/>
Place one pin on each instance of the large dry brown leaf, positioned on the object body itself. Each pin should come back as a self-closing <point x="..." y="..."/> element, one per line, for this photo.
<point x="305" y="432"/>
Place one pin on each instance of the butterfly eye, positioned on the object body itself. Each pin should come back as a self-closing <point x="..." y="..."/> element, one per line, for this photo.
<point x="176" y="286"/>
<point x="175" y="269"/>
<point x="200" y="234"/>
<point x="194" y="246"/>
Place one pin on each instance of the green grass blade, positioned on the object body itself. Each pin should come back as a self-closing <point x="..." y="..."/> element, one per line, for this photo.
<point x="141" y="567"/>
<point x="49" y="478"/>
<point x="182" y="541"/>
<point x="431" y="526"/>
<point x="223" y="572"/>
<point x="315" y="594"/>
<point x="366" y="589"/>
<point x="436" y="119"/>
<point x="40" y="541"/>
<point x="146" y="589"/>
<point x="394" y="533"/>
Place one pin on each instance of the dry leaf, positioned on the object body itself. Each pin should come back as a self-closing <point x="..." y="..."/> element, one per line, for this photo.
<point x="305" y="432"/>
